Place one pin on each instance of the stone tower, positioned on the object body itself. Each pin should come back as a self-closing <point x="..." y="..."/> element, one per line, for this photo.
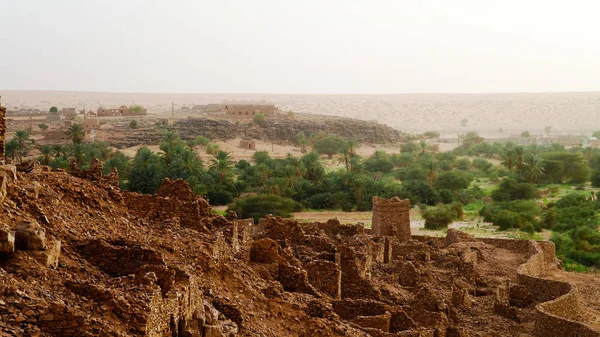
<point x="2" y="135"/>
<point x="391" y="218"/>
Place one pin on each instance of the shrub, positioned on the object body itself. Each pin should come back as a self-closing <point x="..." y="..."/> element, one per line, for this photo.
<point x="509" y="189"/>
<point x="201" y="140"/>
<point x="595" y="178"/>
<point x="453" y="180"/>
<point x="482" y="164"/>
<point x="438" y="217"/>
<point x="329" y="145"/>
<point x="133" y="124"/>
<point x="379" y="164"/>
<point x="506" y="220"/>
<point x="441" y="216"/>
<point x="260" y="205"/>
<point x="220" y="197"/>
<point x="420" y="192"/>
<point x="212" y="148"/>
<point x="463" y="164"/>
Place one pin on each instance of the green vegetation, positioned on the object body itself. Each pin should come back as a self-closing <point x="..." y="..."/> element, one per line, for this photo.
<point x="136" y="109"/>
<point x="133" y="124"/>
<point x="258" y="205"/>
<point x="76" y="133"/>
<point x="441" y="216"/>
<point x="533" y="189"/>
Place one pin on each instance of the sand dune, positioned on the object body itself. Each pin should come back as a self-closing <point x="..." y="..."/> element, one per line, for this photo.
<point x="490" y="114"/>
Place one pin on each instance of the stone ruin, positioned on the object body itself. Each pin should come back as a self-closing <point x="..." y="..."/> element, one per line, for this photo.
<point x="2" y="134"/>
<point x="163" y="264"/>
<point x="391" y="218"/>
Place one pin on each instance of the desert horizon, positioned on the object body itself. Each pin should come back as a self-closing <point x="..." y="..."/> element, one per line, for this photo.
<point x="490" y="114"/>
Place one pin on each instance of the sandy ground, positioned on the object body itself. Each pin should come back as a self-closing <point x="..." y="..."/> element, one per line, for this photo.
<point x="492" y="115"/>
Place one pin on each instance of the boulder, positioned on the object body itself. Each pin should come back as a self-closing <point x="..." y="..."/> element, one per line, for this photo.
<point x="48" y="257"/>
<point x="10" y="171"/>
<point x="30" y="236"/>
<point x="3" y="183"/>
<point x="7" y="240"/>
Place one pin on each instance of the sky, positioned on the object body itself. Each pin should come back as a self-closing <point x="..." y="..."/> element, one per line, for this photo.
<point x="300" y="47"/>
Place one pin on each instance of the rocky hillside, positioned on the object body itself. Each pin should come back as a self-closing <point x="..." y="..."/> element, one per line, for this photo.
<point x="277" y="130"/>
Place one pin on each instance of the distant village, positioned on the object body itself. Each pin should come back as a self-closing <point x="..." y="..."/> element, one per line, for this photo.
<point x="57" y="121"/>
<point x="91" y="121"/>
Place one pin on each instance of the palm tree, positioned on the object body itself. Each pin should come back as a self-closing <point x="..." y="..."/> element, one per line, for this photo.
<point x="432" y="169"/>
<point x="78" y="152"/>
<point x="314" y="169"/>
<point x="296" y="163"/>
<point x="170" y="145"/>
<point x="58" y="150"/>
<point x="76" y="133"/>
<point x="46" y="151"/>
<point x="146" y="171"/>
<point x="22" y="136"/>
<point x="359" y="186"/>
<point x="221" y="163"/>
<point x="424" y="146"/>
<point x="187" y="164"/>
<point x="348" y="151"/>
<point x="533" y="167"/>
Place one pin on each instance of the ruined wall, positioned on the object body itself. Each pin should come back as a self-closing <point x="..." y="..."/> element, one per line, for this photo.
<point x="174" y="199"/>
<point x="249" y="110"/>
<point x="2" y="134"/>
<point x="391" y="218"/>
<point x="560" y="312"/>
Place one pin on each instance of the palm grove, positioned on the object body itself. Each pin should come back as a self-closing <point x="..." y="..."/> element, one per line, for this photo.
<point x="531" y="189"/>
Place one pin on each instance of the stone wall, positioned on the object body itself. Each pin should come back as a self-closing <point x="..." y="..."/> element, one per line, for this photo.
<point x="2" y="135"/>
<point x="560" y="313"/>
<point x="391" y="218"/>
<point x="174" y="199"/>
<point x="326" y="276"/>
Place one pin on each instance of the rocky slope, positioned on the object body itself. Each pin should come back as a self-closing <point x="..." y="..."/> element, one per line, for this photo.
<point x="279" y="130"/>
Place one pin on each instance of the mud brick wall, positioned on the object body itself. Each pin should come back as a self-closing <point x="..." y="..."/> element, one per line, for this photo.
<point x="156" y="208"/>
<point x="356" y="271"/>
<point x="349" y="309"/>
<point x="172" y="312"/>
<point x="332" y="228"/>
<point x="174" y="199"/>
<point x="326" y="276"/>
<point x="560" y="314"/>
<point x="391" y="218"/>
<point x="119" y="261"/>
<point x="2" y="135"/>
<point x="552" y="319"/>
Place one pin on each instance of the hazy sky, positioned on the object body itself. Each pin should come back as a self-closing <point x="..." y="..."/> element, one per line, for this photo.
<point x="300" y="46"/>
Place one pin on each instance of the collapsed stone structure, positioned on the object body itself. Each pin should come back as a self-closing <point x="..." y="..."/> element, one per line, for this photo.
<point x="122" y="111"/>
<point x="247" y="144"/>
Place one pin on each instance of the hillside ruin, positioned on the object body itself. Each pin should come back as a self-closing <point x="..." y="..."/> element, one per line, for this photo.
<point x="80" y="257"/>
